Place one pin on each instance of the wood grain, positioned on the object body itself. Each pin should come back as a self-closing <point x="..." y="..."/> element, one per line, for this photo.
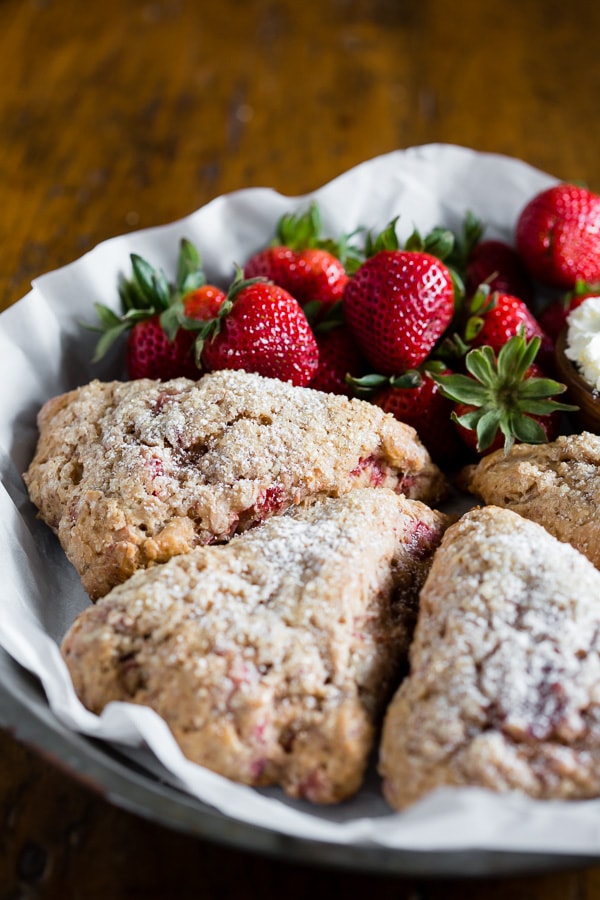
<point x="118" y="116"/>
<point x="121" y="116"/>
<point x="59" y="840"/>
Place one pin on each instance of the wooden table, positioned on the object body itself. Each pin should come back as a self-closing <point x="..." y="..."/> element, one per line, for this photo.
<point x="117" y="116"/>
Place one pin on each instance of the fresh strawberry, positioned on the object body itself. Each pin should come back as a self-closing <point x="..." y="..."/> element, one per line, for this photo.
<point x="151" y="354"/>
<point x="309" y="275"/>
<point x="500" y="397"/>
<point x="153" y="312"/>
<point x="260" y="328"/>
<point x="498" y="265"/>
<point x="311" y="268"/>
<point x="553" y="318"/>
<point x="339" y="357"/>
<point x="558" y="236"/>
<point x="495" y="317"/>
<point x="416" y="398"/>
<point x="398" y="304"/>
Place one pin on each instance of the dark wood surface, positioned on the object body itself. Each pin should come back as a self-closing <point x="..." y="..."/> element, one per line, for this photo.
<point x="117" y="116"/>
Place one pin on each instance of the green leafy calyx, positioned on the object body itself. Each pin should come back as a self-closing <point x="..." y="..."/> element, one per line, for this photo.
<point x="304" y="231"/>
<point x="502" y="394"/>
<point x="148" y="293"/>
<point x="208" y="329"/>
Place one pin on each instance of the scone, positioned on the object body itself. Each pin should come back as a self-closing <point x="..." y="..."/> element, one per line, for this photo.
<point x="271" y="656"/>
<point x="129" y="474"/>
<point x="555" y="484"/>
<point x="504" y="683"/>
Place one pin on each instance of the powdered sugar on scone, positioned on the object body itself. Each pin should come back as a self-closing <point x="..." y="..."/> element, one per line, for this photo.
<point x="270" y="657"/>
<point x="504" y="685"/>
<point x="131" y="473"/>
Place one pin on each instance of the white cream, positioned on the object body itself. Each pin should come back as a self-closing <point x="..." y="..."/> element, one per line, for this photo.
<point x="583" y="340"/>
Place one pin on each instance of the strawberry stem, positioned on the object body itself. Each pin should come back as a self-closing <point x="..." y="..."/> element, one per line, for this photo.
<point x="148" y="293"/>
<point x="502" y="395"/>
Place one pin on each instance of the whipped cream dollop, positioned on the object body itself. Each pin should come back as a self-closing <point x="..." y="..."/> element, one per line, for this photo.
<point x="583" y="340"/>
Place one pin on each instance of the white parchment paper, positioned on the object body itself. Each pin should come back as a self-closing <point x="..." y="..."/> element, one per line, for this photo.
<point x="44" y="350"/>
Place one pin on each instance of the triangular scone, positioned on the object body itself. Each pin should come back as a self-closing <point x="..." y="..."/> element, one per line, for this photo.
<point x="555" y="484"/>
<point x="504" y="683"/>
<point x="129" y="474"/>
<point x="270" y="657"/>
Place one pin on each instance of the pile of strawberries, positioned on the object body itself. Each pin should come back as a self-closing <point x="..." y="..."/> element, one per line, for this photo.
<point x="444" y="332"/>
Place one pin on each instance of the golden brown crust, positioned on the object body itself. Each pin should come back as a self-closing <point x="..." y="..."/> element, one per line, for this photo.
<point x="129" y="474"/>
<point x="504" y="685"/>
<point x="270" y="657"/>
<point x="555" y="484"/>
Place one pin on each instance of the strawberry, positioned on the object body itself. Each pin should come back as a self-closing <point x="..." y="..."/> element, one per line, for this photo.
<point x="260" y="328"/>
<point x="309" y="275"/>
<point x="398" y="304"/>
<point x="151" y="353"/>
<point x="501" y="396"/>
<point x="558" y="236"/>
<point x="416" y="398"/>
<point x="553" y="318"/>
<point x="153" y="312"/>
<point x="339" y="357"/>
<point x="498" y="265"/>
<point x="311" y="268"/>
<point x="496" y="317"/>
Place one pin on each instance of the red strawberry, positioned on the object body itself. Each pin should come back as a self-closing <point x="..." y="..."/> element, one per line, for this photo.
<point x="397" y="304"/>
<point x="151" y="354"/>
<point x="558" y="235"/>
<point x="423" y="405"/>
<point x="308" y="275"/>
<point x="204" y="303"/>
<point x="499" y="266"/>
<point x="553" y="317"/>
<point x="339" y="356"/>
<point x="153" y="313"/>
<point x="503" y="399"/>
<point x="299" y="260"/>
<point x="497" y="317"/>
<point x="260" y="328"/>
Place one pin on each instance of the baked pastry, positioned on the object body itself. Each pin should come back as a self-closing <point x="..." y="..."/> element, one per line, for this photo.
<point x="504" y="683"/>
<point x="129" y="474"/>
<point x="271" y="656"/>
<point x="555" y="484"/>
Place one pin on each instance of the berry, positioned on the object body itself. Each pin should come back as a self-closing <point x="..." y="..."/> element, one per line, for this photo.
<point x="310" y="276"/>
<point x="498" y="265"/>
<point x="151" y="354"/>
<point x="497" y="317"/>
<point x="339" y="357"/>
<point x="423" y="405"/>
<point x="311" y="268"/>
<point x="398" y="304"/>
<point x="260" y="328"/>
<point x="558" y="236"/>
<point x="156" y="317"/>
